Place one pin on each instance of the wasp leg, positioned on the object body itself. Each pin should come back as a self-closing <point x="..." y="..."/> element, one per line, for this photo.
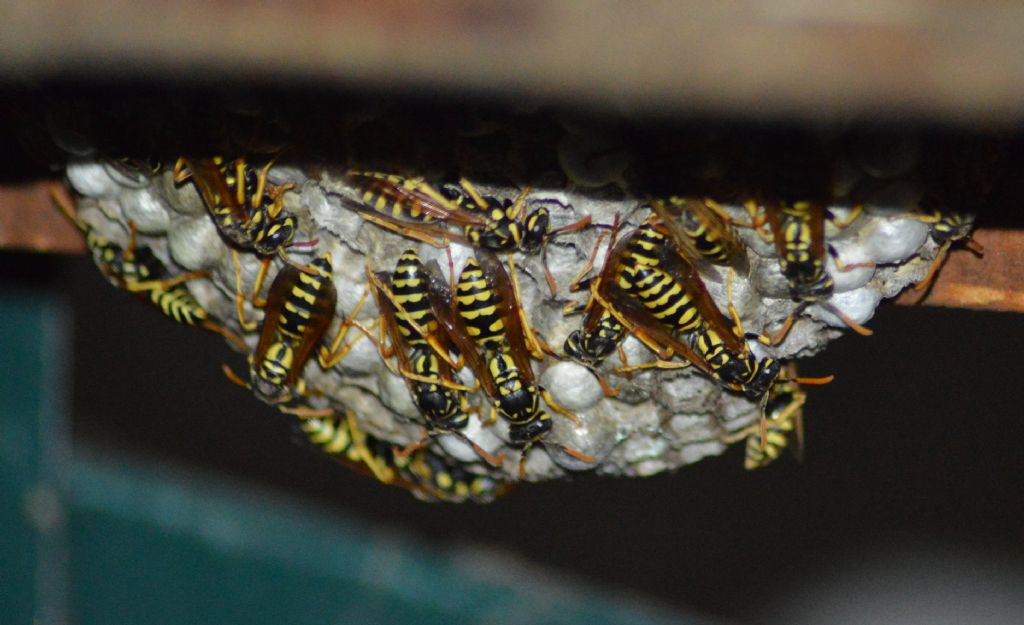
<point x="778" y="336"/>
<point x="724" y="215"/>
<point x="850" y="323"/>
<point x="565" y="412"/>
<point x="579" y="455"/>
<point x="657" y="364"/>
<point x="331" y="356"/>
<point x="606" y="388"/>
<point x="305" y="412"/>
<point x="376" y="465"/>
<point x="408" y="450"/>
<point x="577" y="281"/>
<point x="180" y="172"/>
<point x="518" y="205"/>
<point x="844" y="267"/>
<point x="735" y="315"/>
<point x="737" y="324"/>
<point x="431" y="339"/>
<point x="235" y="340"/>
<point x="240" y="295"/>
<point x="758" y="220"/>
<point x="855" y="212"/>
<point x="548" y="276"/>
<point x="624" y="360"/>
<point x="166" y="284"/>
<point x="234" y="377"/>
<point x="536" y="346"/>
<point x="522" y="462"/>
<point x="933" y="270"/>
<point x="452" y="384"/>
<point x="471" y="190"/>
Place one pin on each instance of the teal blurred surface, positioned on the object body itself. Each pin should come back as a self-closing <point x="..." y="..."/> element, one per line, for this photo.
<point x="101" y="538"/>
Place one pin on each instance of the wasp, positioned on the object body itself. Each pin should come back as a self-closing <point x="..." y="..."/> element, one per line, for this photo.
<point x="947" y="229"/>
<point x="701" y="231"/>
<point x="784" y="424"/>
<point x="137" y="270"/>
<point x="654" y="272"/>
<point x="439" y="479"/>
<point x="411" y="207"/>
<point x="247" y="211"/>
<point x="653" y="293"/>
<point x="488" y="327"/>
<point x="341" y="438"/>
<point x="612" y="310"/>
<point x="422" y="352"/>
<point x="798" y="229"/>
<point x="427" y="475"/>
<point x="297" y="314"/>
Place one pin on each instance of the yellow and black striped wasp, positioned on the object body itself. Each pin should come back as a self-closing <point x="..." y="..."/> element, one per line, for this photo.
<point x="439" y="479"/>
<point x="653" y="293"/>
<point x="967" y="172"/>
<point x="423" y="352"/>
<point x="297" y="314"/>
<point x="784" y="426"/>
<point x="410" y="207"/>
<point x="428" y="476"/>
<point x="701" y="231"/>
<point x="798" y="229"/>
<point x="947" y="229"/>
<point x="485" y="316"/>
<point x="247" y="211"/>
<point x="136" y="270"/>
<point x="414" y="208"/>
<point x="612" y="311"/>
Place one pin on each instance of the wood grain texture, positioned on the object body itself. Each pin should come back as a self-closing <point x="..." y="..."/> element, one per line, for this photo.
<point x="30" y="221"/>
<point x="752" y="58"/>
<point x="994" y="281"/>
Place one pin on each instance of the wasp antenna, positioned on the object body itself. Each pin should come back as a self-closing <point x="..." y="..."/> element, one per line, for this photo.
<point x="310" y="243"/>
<point x="814" y="381"/>
<point x="579" y="455"/>
<point x="494" y="461"/>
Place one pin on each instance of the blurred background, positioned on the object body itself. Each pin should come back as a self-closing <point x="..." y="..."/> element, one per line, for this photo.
<point x="138" y="485"/>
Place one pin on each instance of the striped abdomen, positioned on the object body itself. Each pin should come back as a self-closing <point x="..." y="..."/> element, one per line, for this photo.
<point x="662" y="295"/>
<point x="518" y="401"/>
<point x="645" y="246"/>
<point x="447" y="481"/>
<point x="478" y="305"/>
<point x="802" y="267"/>
<point x="713" y="241"/>
<point x="777" y="439"/>
<point x="300" y="304"/>
<point x="409" y="286"/>
<point x="391" y="195"/>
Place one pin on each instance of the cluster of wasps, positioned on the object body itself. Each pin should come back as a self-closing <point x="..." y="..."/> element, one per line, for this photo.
<point x="434" y="326"/>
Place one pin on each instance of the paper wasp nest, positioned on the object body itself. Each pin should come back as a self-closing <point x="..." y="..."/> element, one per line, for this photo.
<point x="661" y="420"/>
